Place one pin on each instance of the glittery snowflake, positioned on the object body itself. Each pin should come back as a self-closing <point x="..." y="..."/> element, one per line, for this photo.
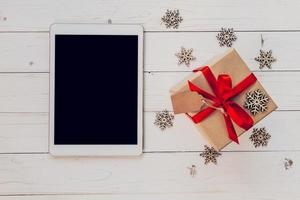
<point x="164" y="119"/>
<point x="260" y="137"/>
<point x="226" y="37"/>
<point x="256" y="102"/>
<point x="172" y="19"/>
<point x="210" y="155"/>
<point x="185" y="56"/>
<point x="265" y="59"/>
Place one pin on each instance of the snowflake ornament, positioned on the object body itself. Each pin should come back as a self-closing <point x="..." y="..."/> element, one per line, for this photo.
<point x="226" y="37"/>
<point x="172" y="19"/>
<point x="265" y="59"/>
<point x="260" y="137"/>
<point x="256" y="102"/>
<point x="164" y="119"/>
<point x="288" y="163"/>
<point x="185" y="56"/>
<point x="210" y="155"/>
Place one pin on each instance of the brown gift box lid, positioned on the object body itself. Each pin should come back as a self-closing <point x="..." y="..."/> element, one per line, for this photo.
<point x="213" y="127"/>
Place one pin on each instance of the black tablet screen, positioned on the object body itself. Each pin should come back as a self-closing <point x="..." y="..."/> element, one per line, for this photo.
<point x="96" y="89"/>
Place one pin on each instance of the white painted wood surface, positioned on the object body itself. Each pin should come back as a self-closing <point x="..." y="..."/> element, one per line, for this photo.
<point x="204" y="15"/>
<point x="152" y="173"/>
<point x="27" y="171"/>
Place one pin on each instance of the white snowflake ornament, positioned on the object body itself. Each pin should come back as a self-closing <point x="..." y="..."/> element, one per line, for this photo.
<point x="164" y="119"/>
<point x="185" y="56"/>
<point x="265" y="59"/>
<point x="172" y="19"/>
<point x="226" y="37"/>
<point x="256" y="102"/>
<point x="260" y="137"/>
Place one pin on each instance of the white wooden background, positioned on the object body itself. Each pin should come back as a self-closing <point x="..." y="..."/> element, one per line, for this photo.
<point x="28" y="172"/>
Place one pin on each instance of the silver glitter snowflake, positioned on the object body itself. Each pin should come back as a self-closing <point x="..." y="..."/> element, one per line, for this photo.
<point x="256" y="102"/>
<point x="164" y="119"/>
<point x="210" y="155"/>
<point x="265" y="59"/>
<point x="226" y="37"/>
<point x="185" y="56"/>
<point x="260" y="137"/>
<point x="172" y="19"/>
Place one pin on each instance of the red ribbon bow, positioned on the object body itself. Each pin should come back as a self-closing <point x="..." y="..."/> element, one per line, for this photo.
<point x="223" y="92"/>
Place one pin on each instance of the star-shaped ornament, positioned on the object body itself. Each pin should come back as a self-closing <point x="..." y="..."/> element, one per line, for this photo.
<point x="210" y="155"/>
<point x="185" y="56"/>
<point x="265" y="59"/>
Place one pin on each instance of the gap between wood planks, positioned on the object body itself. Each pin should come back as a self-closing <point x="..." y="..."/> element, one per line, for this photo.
<point x="155" y="152"/>
<point x="175" y="31"/>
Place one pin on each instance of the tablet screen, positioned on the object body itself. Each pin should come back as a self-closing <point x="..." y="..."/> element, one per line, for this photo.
<point x="96" y="89"/>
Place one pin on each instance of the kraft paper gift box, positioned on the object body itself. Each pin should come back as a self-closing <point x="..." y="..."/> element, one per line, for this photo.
<point x="214" y="126"/>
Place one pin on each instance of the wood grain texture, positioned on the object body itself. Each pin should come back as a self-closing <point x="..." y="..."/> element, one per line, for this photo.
<point x="24" y="52"/>
<point x="23" y="132"/>
<point x="161" y="49"/>
<point x="24" y="92"/>
<point x="157" y="86"/>
<point x="174" y="196"/>
<point x="204" y="15"/>
<point x="164" y="173"/>
<point x="29" y="92"/>
<point x="28" y="133"/>
<point x="32" y="50"/>
<point x="283" y="127"/>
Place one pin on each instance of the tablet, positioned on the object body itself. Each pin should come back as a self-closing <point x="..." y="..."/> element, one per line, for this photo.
<point x="96" y="89"/>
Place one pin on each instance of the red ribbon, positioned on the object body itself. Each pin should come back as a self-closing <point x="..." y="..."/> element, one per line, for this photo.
<point x="223" y="92"/>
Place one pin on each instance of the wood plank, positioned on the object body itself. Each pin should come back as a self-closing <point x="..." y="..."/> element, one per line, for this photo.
<point x="282" y="86"/>
<point x="205" y="15"/>
<point x="174" y="196"/>
<point x="236" y="173"/>
<point x="23" y="132"/>
<point x="25" y="92"/>
<point x="161" y="48"/>
<point x="28" y="133"/>
<point x="28" y="92"/>
<point x="183" y="136"/>
<point x="32" y="50"/>
<point x="24" y="52"/>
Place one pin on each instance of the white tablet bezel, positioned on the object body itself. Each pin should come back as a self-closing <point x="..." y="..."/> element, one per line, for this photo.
<point x="96" y="150"/>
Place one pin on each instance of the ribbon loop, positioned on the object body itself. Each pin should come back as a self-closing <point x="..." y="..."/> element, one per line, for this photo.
<point x="223" y="92"/>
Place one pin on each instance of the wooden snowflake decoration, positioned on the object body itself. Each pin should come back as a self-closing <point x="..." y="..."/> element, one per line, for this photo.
<point x="265" y="59"/>
<point x="210" y="155"/>
<point x="288" y="163"/>
<point x="185" y="56"/>
<point x="226" y="37"/>
<point x="172" y="19"/>
<point x="164" y="119"/>
<point x="256" y="102"/>
<point x="193" y="170"/>
<point x="260" y="137"/>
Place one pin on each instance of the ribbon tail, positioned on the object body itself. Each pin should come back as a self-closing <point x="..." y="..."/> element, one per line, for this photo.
<point x="197" y="118"/>
<point x="239" y="115"/>
<point x="230" y="129"/>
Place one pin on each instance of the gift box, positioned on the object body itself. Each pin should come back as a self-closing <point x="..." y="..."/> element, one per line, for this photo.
<point x="223" y="99"/>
